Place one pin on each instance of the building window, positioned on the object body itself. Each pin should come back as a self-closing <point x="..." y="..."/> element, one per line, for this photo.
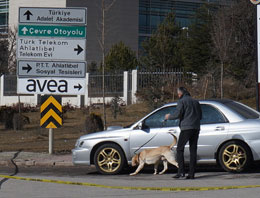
<point x="4" y="9"/>
<point x="153" y="12"/>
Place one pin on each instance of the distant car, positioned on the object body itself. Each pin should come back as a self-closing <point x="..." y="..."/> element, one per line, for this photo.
<point x="229" y="136"/>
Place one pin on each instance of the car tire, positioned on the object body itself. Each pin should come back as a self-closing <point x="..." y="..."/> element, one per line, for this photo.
<point x="234" y="156"/>
<point x="109" y="159"/>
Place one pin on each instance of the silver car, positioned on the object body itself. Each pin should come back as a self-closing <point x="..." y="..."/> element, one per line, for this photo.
<point x="229" y="136"/>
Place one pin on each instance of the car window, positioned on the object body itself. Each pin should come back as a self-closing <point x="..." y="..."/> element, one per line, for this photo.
<point x="211" y="115"/>
<point x="243" y="110"/>
<point x="156" y="120"/>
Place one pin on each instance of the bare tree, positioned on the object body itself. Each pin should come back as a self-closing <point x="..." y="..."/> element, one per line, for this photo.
<point x="12" y="50"/>
<point x="8" y="52"/>
<point x="222" y="35"/>
<point x="105" y="7"/>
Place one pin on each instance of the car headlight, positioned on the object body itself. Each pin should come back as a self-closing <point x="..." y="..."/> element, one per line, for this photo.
<point x="81" y="143"/>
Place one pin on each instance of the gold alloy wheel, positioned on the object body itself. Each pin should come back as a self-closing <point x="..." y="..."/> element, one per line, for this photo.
<point x="109" y="160"/>
<point x="234" y="157"/>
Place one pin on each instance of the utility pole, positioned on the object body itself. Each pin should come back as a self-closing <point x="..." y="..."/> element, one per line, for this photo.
<point x="257" y="58"/>
<point x="103" y="63"/>
<point x="105" y="7"/>
<point x="256" y="2"/>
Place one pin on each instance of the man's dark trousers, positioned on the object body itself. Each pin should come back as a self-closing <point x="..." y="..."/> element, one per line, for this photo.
<point x="192" y="136"/>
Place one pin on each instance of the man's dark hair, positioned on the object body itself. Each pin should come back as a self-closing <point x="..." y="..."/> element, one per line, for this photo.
<point x="183" y="90"/>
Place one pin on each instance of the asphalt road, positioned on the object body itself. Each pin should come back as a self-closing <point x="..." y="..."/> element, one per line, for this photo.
<point x="206" y="177"/>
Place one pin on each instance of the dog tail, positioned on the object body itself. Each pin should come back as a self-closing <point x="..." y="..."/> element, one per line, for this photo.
<point x="174" y="140"/>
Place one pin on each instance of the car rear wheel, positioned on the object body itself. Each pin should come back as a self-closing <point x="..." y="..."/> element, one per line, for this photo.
<point x="109" y="159"/>
<point x="234" y="156"/>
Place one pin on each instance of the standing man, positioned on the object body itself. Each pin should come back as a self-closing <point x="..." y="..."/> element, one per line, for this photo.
<point x="189" y="112"/>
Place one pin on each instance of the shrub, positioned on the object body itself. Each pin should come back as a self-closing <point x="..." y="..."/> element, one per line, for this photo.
<point x="19" y="121"/>
<point x="116" y="103"/>
<point x="93" y="123"/>
<point x="154" y="96"/>
<point x="12" y="119"/>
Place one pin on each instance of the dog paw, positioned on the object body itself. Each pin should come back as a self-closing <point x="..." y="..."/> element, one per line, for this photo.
<point x="160" y="173"/>
<point x="155" y="173"/>
<point x="132" y="174"/>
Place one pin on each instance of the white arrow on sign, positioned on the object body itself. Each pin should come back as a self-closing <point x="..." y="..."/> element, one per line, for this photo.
<point x="59" y="86"/>
<point x="59" y="49"/>
<point x="24" y="30"/>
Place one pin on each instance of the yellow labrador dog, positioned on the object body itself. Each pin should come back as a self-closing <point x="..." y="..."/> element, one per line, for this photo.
<point x="154" y="156"/>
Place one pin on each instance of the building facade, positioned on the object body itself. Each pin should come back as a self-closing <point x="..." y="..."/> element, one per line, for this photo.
<point x="153" y="12"/>
<point x="4" y="10"/>
<point x="121" y="24"/>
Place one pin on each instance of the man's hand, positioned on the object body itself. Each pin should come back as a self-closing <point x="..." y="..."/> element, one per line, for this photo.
<point x="167" y="116"/>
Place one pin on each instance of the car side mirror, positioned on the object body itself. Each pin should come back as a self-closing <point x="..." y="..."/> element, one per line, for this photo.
<point x="139" y="126"/>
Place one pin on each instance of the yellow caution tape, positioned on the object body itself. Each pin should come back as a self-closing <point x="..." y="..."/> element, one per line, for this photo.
<point x="130" y="187"/>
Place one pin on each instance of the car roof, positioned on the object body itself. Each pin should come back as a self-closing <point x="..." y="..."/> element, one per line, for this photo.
<point x="223" y="101"/>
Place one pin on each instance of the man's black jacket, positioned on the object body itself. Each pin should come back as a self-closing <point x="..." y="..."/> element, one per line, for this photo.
<point x="189" y="112"/>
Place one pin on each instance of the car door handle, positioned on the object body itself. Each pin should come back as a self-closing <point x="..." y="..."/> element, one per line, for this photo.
<point x="172" y="131"/>
<point x="220" y="128"/>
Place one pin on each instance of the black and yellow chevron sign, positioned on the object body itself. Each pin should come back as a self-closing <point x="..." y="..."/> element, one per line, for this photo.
<point x="51" y="112"/>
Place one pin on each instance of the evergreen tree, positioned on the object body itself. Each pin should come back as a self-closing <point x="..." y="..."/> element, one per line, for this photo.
<point x="243" y="51"/>
<point x="162" y="49"/>
<point x="197" y="47"/>
<point x="120" y="57"/>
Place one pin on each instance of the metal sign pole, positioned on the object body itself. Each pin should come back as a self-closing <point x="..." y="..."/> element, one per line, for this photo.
<point x="51" y="116"/>
<point x="256" y="2"/>
<point x="257" y="57"/>
<point x="51" y="141"/>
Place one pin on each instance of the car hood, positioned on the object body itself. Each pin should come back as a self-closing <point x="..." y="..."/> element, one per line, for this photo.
<point x="106" y="134"/>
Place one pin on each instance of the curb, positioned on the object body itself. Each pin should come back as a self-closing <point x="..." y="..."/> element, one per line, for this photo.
<point x="32" y="163"/>
<point x="31" y="159"/>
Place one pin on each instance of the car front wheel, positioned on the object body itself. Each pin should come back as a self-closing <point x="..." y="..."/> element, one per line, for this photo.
<point x="234" y="156"/>
<point x="109" y="159"/>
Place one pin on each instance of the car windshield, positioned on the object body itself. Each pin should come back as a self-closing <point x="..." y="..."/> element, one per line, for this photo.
<point x="243" y="110"/>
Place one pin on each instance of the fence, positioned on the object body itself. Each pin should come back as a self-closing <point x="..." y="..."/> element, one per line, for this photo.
<point x="113" y="85"/>
<point x="173" y="77"/>
<point x="10" y="85"/>
<point x="123" y="84"/>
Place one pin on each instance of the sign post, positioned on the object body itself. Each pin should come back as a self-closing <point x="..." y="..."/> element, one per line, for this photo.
<point x="256" y="2"/>
<point x="51" y="53"/>
<point x="258" y="58"/>
<point x="51" y="116"/>
<point x="50" y="140"/>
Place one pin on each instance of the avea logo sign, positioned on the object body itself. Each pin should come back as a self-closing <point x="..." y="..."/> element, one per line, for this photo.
<point x="255" y="1"/>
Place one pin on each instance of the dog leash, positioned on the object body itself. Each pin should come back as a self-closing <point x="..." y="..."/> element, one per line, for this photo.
<point x="145" y="143"/>
<point x="164" y="121"/>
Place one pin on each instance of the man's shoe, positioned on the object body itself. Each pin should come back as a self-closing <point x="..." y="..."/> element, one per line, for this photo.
<point x="179" y="176"/>
<point x="190" y="177"/>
